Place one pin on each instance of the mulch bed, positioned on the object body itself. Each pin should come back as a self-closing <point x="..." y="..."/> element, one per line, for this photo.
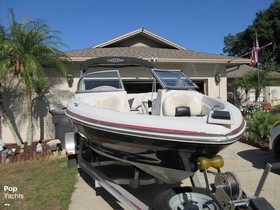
<point x="263" y="145"/>
<point x="27" y="152"/>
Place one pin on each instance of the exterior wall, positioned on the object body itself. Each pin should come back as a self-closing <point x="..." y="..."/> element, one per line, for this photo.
<point x="272" y="95"/>
<point x="218" y="90"/>
<point x="15" y="103"/>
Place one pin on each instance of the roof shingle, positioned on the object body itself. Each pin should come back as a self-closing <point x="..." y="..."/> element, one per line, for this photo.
<point x="152" y="46"/>
<point x="149" y="53"/>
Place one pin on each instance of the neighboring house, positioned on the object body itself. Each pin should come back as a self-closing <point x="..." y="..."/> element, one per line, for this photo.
<point x="270" y="94"/>
<point x="207" y="70"/>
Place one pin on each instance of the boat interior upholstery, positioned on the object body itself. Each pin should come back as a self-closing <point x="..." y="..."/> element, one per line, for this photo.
<point x="181" y="103"/>
<point x="174" y="103"/>
<point x="114" y="100"/>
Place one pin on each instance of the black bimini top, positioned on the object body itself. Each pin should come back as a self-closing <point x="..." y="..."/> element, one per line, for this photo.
<point x="114" y="62"/>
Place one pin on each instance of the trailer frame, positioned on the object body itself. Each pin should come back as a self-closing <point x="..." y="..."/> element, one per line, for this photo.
<point x="225" y="193"/>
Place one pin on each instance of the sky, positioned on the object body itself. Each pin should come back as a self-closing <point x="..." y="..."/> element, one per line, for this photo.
<point x="198" y="25"/>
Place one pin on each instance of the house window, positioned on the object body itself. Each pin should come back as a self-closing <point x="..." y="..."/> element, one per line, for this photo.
<point x="201" y="86"/>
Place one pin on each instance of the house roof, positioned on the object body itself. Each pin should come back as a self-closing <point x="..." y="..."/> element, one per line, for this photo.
<point x="142" y="43"/>
<point x="240" y="71"/>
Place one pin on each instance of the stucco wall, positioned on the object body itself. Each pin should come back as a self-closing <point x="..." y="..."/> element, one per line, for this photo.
<point x="272" y="94"/>
<point x="15" y="102"/>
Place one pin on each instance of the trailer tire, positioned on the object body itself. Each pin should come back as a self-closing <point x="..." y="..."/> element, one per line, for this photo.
<point x="72" y="161"/>
<point x="260" y="203"/>
<point x="87" y="154"/>
<point x="277" y="153"/>
<point x="162" y="200"/>
<point x="172" y="200"/>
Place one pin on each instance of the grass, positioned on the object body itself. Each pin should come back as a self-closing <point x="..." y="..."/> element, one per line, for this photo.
<point x="37" y="184"/>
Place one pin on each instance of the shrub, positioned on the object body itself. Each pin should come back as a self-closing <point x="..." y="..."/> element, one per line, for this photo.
<point x="275" y="109"/>
<point x="260" y="125"/>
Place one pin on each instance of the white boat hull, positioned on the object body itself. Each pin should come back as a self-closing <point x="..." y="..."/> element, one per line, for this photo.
<point x="155" y="131"/>
<point x="153" y="143"/>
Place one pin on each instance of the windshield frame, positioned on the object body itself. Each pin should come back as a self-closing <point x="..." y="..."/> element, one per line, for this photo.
<point x="183" y="82"/>
<point x="99" y="79"/>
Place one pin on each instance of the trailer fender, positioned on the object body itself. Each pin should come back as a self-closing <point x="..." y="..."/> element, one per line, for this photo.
<point x="71" y="143"/>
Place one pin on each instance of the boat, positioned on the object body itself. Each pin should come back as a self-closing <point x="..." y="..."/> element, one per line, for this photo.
<point x="162" y="132"/>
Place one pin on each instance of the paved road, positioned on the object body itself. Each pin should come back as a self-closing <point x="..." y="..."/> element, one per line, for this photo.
<point x="245" y="161"/>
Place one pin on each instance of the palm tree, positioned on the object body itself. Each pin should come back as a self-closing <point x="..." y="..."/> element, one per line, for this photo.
<point x="33" y="47"/>
<point x="243" y="83"/>
<point x="255" y="79"/>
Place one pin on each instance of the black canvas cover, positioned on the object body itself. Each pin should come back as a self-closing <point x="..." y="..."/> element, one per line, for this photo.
<point x="114" y="62"/>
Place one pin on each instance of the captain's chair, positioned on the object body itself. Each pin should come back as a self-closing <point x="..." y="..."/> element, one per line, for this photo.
<point x="181" y="103"/>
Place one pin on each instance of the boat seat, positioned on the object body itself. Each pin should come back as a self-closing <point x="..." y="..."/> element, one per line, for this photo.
<point x="115" y="102"/>
<point x="181" y="103"/>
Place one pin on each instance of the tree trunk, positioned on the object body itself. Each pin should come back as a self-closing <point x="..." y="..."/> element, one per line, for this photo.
<point x="12" y="129"/>
<point x="257" y="94"/>
<point x="9" y="123"/>
<point x="247" y="95"/>
<point x="30" y="120"/>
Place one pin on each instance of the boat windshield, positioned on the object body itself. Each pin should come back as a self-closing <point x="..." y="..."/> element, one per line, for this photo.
<point x="101" y="81"/>
<point x="173" y="79"/>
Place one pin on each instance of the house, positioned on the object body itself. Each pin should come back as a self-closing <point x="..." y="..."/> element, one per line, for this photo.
<point x="269" y="94"/>
<point x="207" y="70"/>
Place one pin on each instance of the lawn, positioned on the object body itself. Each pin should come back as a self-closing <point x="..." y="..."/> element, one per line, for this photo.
<point x="37" y="184"/>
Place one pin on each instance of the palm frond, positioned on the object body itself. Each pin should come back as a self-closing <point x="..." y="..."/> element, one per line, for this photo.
<point x="28" y="48"/>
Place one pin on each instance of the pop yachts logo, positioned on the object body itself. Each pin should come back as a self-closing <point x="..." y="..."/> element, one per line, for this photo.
<point x="12" y="193"/>
<point x="115" y="60"/>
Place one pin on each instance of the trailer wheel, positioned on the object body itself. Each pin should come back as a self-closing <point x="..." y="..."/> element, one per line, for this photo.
<point x="277" y="153"/>
<point x="72" y="161"/>
<point x="87" y="154"/>
<point x="171" y="200"/>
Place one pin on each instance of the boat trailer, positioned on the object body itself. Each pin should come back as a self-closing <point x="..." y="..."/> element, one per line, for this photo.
<point x="224" y="194"/>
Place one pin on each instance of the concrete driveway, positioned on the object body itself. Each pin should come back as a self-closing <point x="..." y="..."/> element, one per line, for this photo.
<point x="245" y="161"/>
